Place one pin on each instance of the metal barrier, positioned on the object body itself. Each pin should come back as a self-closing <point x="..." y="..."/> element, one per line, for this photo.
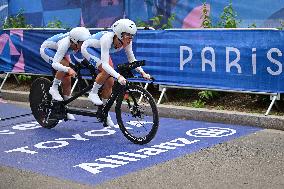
<point x="273" y="96"/>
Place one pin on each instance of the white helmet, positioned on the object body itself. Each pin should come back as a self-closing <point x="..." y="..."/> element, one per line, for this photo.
<point x="124" y="25"/>
<point x="79" y="34"/>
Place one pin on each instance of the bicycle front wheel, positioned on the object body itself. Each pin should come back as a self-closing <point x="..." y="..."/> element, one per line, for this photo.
<point x="137" y="114"/>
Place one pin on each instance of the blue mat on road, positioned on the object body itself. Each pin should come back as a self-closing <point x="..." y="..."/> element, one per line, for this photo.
<point x="83" y="151"/>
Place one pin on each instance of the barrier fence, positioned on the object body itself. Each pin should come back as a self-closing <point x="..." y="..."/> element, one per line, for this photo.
<point x="242" y="60"/>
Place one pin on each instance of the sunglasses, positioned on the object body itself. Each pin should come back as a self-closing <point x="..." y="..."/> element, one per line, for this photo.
<point x="128" y="35"/>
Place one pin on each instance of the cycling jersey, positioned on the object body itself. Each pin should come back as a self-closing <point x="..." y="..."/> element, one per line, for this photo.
<point x="98" y="47"/>
<point x="55" y="48"/>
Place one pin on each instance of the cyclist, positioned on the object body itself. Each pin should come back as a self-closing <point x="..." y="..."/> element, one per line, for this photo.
<point x="56" y="51"/>
<point x="97" y="51"/>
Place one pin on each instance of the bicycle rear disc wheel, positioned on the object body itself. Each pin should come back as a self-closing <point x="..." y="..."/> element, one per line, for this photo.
<point x="40" y="103"/>
<point x="137" y="115"/>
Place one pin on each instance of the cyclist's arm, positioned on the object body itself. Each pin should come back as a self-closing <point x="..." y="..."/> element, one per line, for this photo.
<point x="63" y="46"/>
<point x="85" y="45"/>
<point x="131" y="57"/>
<point x="105" y="46"/>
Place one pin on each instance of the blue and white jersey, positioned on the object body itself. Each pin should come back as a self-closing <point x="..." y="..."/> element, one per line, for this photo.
<point x="58" y="37"/>
<point x="61" y="44"/>
<point x="97" y="37"/>
<point x="102" y="42"/>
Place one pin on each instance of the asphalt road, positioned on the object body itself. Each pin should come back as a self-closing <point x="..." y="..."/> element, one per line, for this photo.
<point x="252" y="161"/>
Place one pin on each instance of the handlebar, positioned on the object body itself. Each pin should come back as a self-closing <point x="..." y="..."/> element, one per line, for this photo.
<point x="130" y="66"/>
<point x="152" y="79"/>
<point x="126" y="69"/>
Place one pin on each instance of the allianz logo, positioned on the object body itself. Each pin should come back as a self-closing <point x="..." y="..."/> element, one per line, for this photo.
<point x="124" y="158"/>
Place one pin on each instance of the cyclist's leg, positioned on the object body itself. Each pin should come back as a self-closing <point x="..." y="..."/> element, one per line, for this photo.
<point x="66" y="79"/>
<point x="99" y="82"/>
<point x="60" y="77"/>
<point x="72" y="59"/>
<point x="48" y="54"/>
<point x="107" y="88"/>
<point x="92" y="57"/>
<point x="106" y="92"/>
<point x="66" y="84"/>
<point x="108" y="81"/>
<point x="103" y="78"/>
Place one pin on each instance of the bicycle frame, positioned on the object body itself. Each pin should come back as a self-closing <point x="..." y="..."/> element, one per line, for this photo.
<point x="102" y="111"/>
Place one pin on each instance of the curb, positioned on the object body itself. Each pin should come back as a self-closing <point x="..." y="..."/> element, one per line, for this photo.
<point x="179" y="112"/>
